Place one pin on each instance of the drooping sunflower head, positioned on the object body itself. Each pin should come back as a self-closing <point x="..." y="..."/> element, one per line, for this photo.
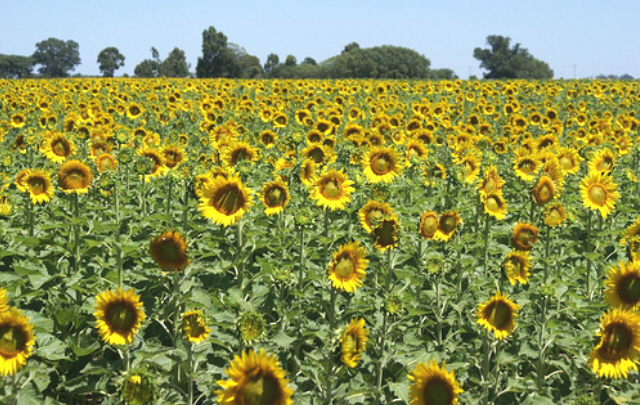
<point x="75" y="177"/>
<point x="491" y="183"/>
<point x="353" y="342"/>
<point x="554" y="215"/>
<point x="544" y="191"/>
<point x="517" y="266"/>
<point x="382" y="164"/>
<point x="139" y="388"/>
<point x="622" y="286"/>
<point x="275" y="196"/>
<point x="618" y="349"/>
<point x="347" y="269"/>
<point x="602" y="161"/>
<point x="255" y="379"/>
<point x="599" y="193"/>
<point x="16" y="340"/>
<point x="268" y="138"/>
<point x="333" y="190"/>
<point x="119" y="315"/>
<point x="447" y="225"/>
<point x="372" y="212"/>
<point x="433" y="385"/>
<point x="38" y="183"/>
<point x="5" y="206"/>
<point x="631" y="231"/>
<point x="495" y="205"/>
<point x="169" y="251"/>
<point x="194" y="326"/>
<point x="106" y="162"/>
<point x="470" y="164"/>
<point x="524" y="235"/>
<point x="498" y="315"/>
<point x="429" y="225"/>
<point x="225" y="200"/>
<point x="386" y="233"/>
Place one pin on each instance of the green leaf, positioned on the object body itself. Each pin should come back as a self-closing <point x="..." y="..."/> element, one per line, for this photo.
<point x="283" y="340"/>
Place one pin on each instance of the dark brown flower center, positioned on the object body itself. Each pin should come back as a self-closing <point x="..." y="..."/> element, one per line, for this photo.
<point x="12" y="341"/>
<point x="438" y="392"/>
<point x="228" y="199"/>
<point x="121" y="316"/>
<point x="260" y="390"/>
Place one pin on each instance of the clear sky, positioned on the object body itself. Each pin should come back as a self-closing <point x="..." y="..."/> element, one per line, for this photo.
<point x="588" y="37"/>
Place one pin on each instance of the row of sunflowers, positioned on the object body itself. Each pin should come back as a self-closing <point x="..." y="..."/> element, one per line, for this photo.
<point x="336" y="242"/>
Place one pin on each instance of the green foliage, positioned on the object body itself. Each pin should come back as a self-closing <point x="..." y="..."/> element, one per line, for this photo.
<point x="175" y="65"/>
<point x="442" y="74"/>
<point x="379" y="62"/>
<point x="110" y="59"/>
<point x="217" y="59"/>
<point x="15" y="66"/>
<point x="56" y="57"/>
<point x="505" y="62"/>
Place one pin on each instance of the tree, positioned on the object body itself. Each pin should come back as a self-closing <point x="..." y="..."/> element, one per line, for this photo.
<point x="149" y="67"/>
<point x="310" y="61"/>
<point x="217" y="60"/>
<point x="379" y="62"/>
<point x="442" y="74"/>
<point x="350" y="47"/>
<point x="249" y="66"/>
<point x="505" y="62"/>
<point x="290" y="61"/>
<point x="273" y="61"/>
<point x="15" y="66"/>
<point x="175" y="65"/>
<point x="56" y="57"/>
<point x="110" y="59"/>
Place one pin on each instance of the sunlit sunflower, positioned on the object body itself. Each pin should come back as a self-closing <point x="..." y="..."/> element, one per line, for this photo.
<point x="415" y="149"/>
<point x="333" y="190"/>
<point x="618" y="349"/>
<point x="498" y="315"/>
<point x="106" y="162"/>
<point x="156" y="156"/>
<point x="599" y="192"/>
<point x="225" y="200"/>
<point x="569" y="160"/>
<point x="429" y="225"/>
<point x="74" y="177"/>
<point x="119" y="315"/>
<point x="622" y="286"/>
<point x="470" y="164"/>
<point x="433" y="385"/>
<point x="134" y="111"/>
<point x="382" y="164"/>
<point x="602" y="161"/>
<point x="554" y="215"/>
<point x="517" y="266"/>
<point x="4" y="300"/>
<point x="255" y="379"/>
<point x="372" y="212"/>
<point x="173" y="155"/>
<point x="353" y="342"/>
<point x="38" y="183"/>
<point x="386" y="233"/>
<point x="631" y="231"/>
<point x="447" y="225"/>
<point x="239" y="152"/>
<point x="495" y="205"/>
<point x="169" y="251"/>
<point x="18" y="120"/>
<point x="526" y="167"/>
<point x="16" y="340"/>
<point x="275" y="196"/>
<point x="194" y="326"/>
<point x="139" y="388"/>
<point x="524" y="235"/>
<point x="491" y="183"/>
<point x="57" y="148"/>
<point x="268" y="138"/>
<point x="307" y="172"/>
<point x="544" y="191"/>
<point x="5" y="206"/>
<point x="347" y="269"/>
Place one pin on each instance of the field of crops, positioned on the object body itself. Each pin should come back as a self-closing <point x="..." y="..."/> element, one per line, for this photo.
<point x="319" y="242"/>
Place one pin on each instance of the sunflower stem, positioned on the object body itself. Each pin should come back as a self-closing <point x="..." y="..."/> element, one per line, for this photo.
<point x="185" y="213"/>
<point x="588" y="250"/>
<point x="143" y="196"/>
<point x="30" y="215"/>
<point x="485" y="235"/>
<point x="300" y="274"/>
<point x="239" y="243"/>
<point x="119" y="259"/>
<point x="76" y="232"/>
<point x="169" y="189"/>
<point x="532" y="212"/>
<point x="385" y="318"/>
<point x="192" y="371"/>
<point x="176" y="314"/>
<point x="540" y="368"/>
<point x="329" y="377"/>
<point x="485" y="368"/>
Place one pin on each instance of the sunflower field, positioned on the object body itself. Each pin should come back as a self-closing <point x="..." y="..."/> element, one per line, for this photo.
<point x="285" y="242"/>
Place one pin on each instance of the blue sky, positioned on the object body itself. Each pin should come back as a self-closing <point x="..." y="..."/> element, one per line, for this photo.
<point x="587" y="37"/>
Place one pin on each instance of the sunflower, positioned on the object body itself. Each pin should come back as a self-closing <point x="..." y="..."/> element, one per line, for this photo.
<point x="333" y="190"/>
<point x="268" y="138"/>
<point x="495" y="205"/>
<point x="599" y="192"/>
<point x="74" y="177"/>
<point x="225" y="200"/>
<point x="524" y="235"/>
<point x="470" y="164"/>
<point x="433" y="385"/>
<point x="602" y="161"/>
<point x="194" y="327"/>
<point x="157" y="157"/>
<point x="252" y="326"/>
<point x="372" y="212"/>
<point x="569" y="160"/>
<point x="16" y="340"/>
<point x="139" y="388"/>
<point x="554" y="215"/>
<point x="307" y="172"/>
<point x="38" y="184"/>
<point x="119" y="315"/>
<point x="623" y="286"/>
<point x="386" y="233"/>
<point x="134" y="111"/>
<point x="491" y="183"/>
<point x="382" y="164"/>
<point x="173" y="155"/>
<point x="429" y="225"/>
<point x="353" y="342"/>
<point x="517" y="266"/>
<point x="4" y="300"/>
<point x="57" y="148"/>
<point x="255" y="379"/>
<point x="544" y="191"/>
<point x="447" y="225"/>
<point x="275" y="196"/>
<point x="238" y="152"/>
<point x="18" y="120"/>
<point x="347" y="269"/>
<point x="526" y="167"/>
<point x="5" y="206"/>
<point x="106" y="162"/>
<point x="618" y="349"/>
<point x="169" y="251"/>
<point x="498" y="315"/>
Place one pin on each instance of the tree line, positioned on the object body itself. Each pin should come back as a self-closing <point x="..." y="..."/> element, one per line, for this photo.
<point x="223" y="59"/>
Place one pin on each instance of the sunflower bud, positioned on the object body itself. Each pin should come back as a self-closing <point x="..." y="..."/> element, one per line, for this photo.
<point x="138" y="388"/>
<point x="143" y="165"/>
<point x="252" y="326"/>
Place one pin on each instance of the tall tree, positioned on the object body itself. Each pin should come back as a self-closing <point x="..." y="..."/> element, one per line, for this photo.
<point x="217" y="59"/>
<point x="273" y="61"/>
<point x="149" y="67"/>
<point x="109" y="60"/>
<point x="56" y="57"/>
<point x="15" y="66"/>
<point x="505" y="62"/>
<point x="175" y="65"/>
<point x="290" y="61"/>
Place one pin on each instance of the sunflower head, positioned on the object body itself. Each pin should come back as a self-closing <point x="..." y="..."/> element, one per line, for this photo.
<point x="38" y="184"/>
<point x="544" y="191"/>
<point x="382" y="164"/>
<point x="524" y="235"/>
<point x="194" y="326"/>
<point x="333" y="190"/>
<point x="554" y="215"/>
<point x="517" y="266"/>
<point x="386" y="233"/>
<point x="371" y="213"/>
<point x="618" y="349"/>
<point x="429" y="225"/>
<point x="139" y="388"/>
<point x="106" y="162"/>
<point x="252" y="326"/>
<point x="16" y="340"/>
<point x="225" y="200"/>
<point x="353" y="342"/>
<point x="447" y="225"/>
<point x="623" y="286"/>
<point x="169" y="251"/>
<point x="495" y="205"/>
<point x="275" y="196"/>
<point x="74" y="177"/>
<point x="433" y="385"/>
<point x="599" y="193"/>
<point x="347" y="269"/>
<point x="119" y="315"/>
<point x="498" y="315"/>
